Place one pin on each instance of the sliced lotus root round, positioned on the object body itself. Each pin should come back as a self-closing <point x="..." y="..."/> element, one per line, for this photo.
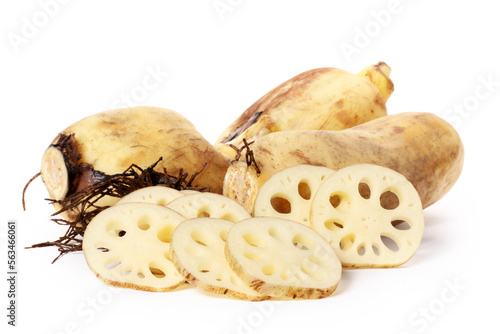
<point x="160" y="195"/>
<point x="197" y="251"/>
<point x="282" y="258"/>
<point x="128" y="246"/>
<point x="209" y="205"/>
<point x="189" y="191"/>
<point x="288" y="193"/>
<point x="371" y="215"/>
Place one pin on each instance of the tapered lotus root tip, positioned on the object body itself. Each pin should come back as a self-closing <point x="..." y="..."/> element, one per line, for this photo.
<point x="54" y="173"/>
<point x="383" y="68"/>
<point x="378" y="75"/>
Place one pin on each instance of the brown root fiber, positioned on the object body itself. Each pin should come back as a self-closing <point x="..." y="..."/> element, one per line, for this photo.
<point x="249" y="157"/>
<point x="84" y="202"/>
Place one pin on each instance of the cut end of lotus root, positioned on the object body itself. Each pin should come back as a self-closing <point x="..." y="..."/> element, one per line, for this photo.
<point x="54" y="173"/>
<point x="128" y="246"/>
<point x="371" y="215"/>
<point x="283" y="259"/>
<point x="241" y="185"/>
<point x="197" y="251"/>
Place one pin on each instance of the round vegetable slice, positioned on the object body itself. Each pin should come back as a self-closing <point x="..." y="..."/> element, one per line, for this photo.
<point x="209" y="205"/>
<point x="128" y="246"/>
<point x="197" y="251"/>
<point x="288" y="193"/>
<point x="371" y="215"/>
<point x="160" y="195"/>
<point x="282" y="258"/>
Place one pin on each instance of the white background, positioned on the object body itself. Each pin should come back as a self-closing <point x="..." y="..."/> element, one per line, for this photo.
<point x="64" y="61"/>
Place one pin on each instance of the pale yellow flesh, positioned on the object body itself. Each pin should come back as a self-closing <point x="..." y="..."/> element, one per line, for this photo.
<point x="240" y="185"/>
<point x="363" y="232"/>
<point x="288" y="194"/>
<point x="159" y="195"/>
<point x="128" y="246"/>
<point x="283" y="258"/>
<point x="54" y="173"/>
<point x="197" y="250"/>
<point x="209" y="205"/>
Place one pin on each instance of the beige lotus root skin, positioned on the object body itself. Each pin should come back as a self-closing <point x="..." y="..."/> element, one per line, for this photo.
<point x="128" y="246"/>
<point x="197" y="251"/>
<point x="288" y="193"/>
<point x="371" y="215"/>
<point x="282" y="258"/>
<point x="209" y="205"/>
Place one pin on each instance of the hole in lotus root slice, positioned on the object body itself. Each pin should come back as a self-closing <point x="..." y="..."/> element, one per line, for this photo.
<point x="281" y="204"/>
<point x="400" y="224"/>
<point x="389" y="200"/>
<point x="304" y="190"/>
<point x="205" y="267"/>
<point x="155" y="271"/>
<point x="112" y="263"/>
<point x="126" y="271"/>
<point x="254" y="239"/>
<point x="285" y="275"/>
<point x="390" y="243"/>
<point x="361" y="249"/>
<point x="165" y="233"/>
<point x="223" y="235"/>
<point x="340" y="201"/>
<point x="364" y="189"/>
<point x="144" y="222"/>
<point x="303" y="242"/>
<point x="229" y="216"/>
<point x="269" y="269"/>
<point x="347" y="241"/>
<point x="116" y="228"/>
<point x="201" y="238"/>
<point x="276" y="233"/>
<point x="203" y="212"/>
<point x="253" y="256"/>
<point x="311" y="270"/>
<point x="334" y="224"/>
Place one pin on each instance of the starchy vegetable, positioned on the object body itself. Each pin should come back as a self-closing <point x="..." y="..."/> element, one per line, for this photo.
<point x="109" y="142"/>
<point x="197" y="251"/>
<point x="421" y="146"/>
<point x="320" y="99"/>
<point x="349" y="211"/>
<point x="282" y="258"/>
<point x="128" y="246"/>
